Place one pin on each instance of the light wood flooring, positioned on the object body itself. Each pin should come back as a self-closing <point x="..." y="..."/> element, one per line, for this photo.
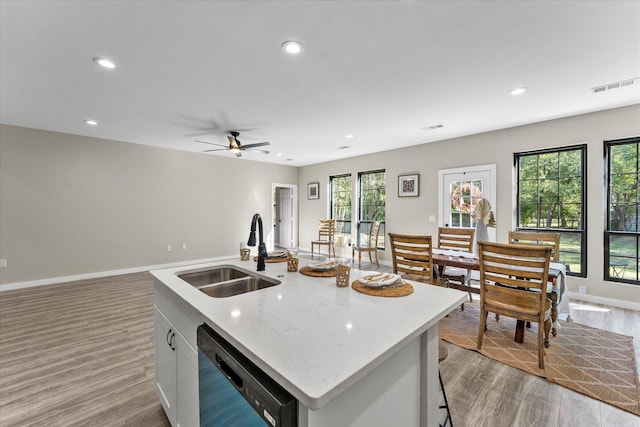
<point x="81" y="354"/>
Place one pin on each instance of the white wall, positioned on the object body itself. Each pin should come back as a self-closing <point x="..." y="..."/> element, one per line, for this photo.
<point x="72" y="205"/>
<point x="410" y="214"/>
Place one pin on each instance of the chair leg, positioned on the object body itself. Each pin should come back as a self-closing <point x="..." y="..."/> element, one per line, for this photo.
<point x="359" y="260"/>
<point x="547" y="327"/>
<point x="483" y="323"/>
<point x="446" y="404"/>
<point x="553" y="296"/>
<point x="353" y="255"/>
<point x="377" y="262"/>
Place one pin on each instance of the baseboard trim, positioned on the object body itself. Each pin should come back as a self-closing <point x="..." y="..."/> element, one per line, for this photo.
<point x="97" y="275"/>
<point x="605" y="301"/>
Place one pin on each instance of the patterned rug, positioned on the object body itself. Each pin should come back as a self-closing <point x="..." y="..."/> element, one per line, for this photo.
<point x="593" y="362"/>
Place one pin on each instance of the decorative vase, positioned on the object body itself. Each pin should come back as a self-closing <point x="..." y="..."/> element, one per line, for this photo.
<point x="482" y="234"/>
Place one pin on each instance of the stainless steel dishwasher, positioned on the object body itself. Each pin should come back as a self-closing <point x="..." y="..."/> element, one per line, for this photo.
<point x="235" y="392"/>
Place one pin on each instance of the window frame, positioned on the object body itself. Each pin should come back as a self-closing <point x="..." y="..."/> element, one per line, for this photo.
<point x="582" y="231"/>
<point x="608" y="233"/>
<point x="360" y="221"/>
<point x="345" y="223"/>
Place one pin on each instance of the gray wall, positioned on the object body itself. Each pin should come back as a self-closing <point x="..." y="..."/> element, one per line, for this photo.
<point x="72" y="205"/>
<point x="411" y="214"/>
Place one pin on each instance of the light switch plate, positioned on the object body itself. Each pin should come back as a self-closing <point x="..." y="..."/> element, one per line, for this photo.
<point x="3" y="263"/>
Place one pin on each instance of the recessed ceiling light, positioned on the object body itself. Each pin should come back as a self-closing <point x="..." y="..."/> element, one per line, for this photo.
<point x="292" y="47"/>
<point x="519" y="91"/>
<point x="104" y="62"/>
<point x="279" y="154"/>
<point x="344" y="147"/>
<point x="91" y="122"/>
<point x="348" y="136"/>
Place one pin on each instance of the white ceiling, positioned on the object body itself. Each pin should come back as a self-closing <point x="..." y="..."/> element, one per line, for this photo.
<point x="380" y="70"/>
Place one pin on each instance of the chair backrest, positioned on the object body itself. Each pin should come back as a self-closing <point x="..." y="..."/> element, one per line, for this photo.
<point x="456" y="238"/>
<point x="412" y="255"/>
<point x="374" y="234"/>
<point x="509" y="273"/>
<point x="326" y="229"/>
<point x="529" y="237"/>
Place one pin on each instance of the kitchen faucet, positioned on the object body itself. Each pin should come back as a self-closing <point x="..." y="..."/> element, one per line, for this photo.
<point x="262" y="248"/>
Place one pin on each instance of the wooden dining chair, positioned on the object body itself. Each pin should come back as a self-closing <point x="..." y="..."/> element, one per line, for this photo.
<point x="326" y="236"/>
<point x="370" y="246"/>
<point x="528" y="237"/>
<point x="513" y="281"/>
<point x="553" y="241"/>
<point x="460" y="239"/>
<point x="412" y="258"/>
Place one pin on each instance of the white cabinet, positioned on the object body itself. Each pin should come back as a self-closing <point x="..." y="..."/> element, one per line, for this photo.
<point x="166" y="365"/>
<point x="176" y="366"/>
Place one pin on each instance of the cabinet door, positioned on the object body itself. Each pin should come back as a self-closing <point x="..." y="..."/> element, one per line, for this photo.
<point x="188" y="392"/>
<point x="166" y="366"/>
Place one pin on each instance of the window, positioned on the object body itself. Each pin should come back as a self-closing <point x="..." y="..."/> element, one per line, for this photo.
<point x="465" y="194"/>
<point x="371" y="203"/>
<point x="622" y="234"/>
<point x="341" y="207"/>
<point x="551" y="198"/>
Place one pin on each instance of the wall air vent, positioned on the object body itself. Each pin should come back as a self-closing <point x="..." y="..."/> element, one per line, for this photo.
<point x="615" y="85"/>
<point x="432" y="127"/>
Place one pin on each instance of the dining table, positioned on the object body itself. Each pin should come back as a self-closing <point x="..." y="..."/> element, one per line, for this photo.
<point x="468" y="260"/>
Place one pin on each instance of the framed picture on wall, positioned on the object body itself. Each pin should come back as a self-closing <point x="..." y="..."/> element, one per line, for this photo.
<point x="313" y="190"/>
<point x="408" y="185"/>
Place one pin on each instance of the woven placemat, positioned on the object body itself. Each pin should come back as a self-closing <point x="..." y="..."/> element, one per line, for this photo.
<point x="400" y="291"/>
<point x="272" y="260"/>
<point x="307" y="271"/>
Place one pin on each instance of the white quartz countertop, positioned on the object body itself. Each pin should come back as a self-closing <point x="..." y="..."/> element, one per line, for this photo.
<point x="312" y="337"/>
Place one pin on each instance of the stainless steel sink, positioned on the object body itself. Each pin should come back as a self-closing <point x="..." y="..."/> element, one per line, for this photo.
<point x="226" y="281"/>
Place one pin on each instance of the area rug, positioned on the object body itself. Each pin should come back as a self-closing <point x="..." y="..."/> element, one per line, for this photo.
<point x="591" y="361"/>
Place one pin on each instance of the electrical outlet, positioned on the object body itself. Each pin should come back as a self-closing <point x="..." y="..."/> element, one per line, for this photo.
<point x="3" y="263"/>
<point x="582" y="290"/>
<point x="169" y="248"/>
<point x="184" y="246"/>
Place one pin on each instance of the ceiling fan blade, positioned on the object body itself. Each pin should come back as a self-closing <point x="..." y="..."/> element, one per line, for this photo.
<point x="211" y="143"/>
<point x="217" y="149"/>
<point x="257" y="144"/>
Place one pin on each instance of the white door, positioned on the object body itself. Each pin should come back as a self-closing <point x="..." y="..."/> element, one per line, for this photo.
<point x="460" y="189"/>
<point x="284" y="216"/>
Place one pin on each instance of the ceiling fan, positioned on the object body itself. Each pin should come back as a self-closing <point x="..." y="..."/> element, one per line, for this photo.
<point x="235" y="146"/>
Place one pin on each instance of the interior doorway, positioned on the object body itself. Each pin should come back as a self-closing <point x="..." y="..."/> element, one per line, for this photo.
<point x="284" y="216"/>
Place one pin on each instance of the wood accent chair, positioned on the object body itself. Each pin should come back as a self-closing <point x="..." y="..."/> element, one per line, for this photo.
<point x="552" y="240"/>
<point x="371" y="245"/>
<point x="460" y="239"/>
<point x="513" y="282"/>
<point x="413" y="258"/>
<point x="326" y="236"/>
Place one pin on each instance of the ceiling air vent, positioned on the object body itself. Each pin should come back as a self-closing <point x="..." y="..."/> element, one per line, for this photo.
<point x="615" y="85"/>
<point x="433" y="127"/>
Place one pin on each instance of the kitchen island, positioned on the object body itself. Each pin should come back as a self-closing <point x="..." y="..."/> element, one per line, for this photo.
<point x="349" y="359"/>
